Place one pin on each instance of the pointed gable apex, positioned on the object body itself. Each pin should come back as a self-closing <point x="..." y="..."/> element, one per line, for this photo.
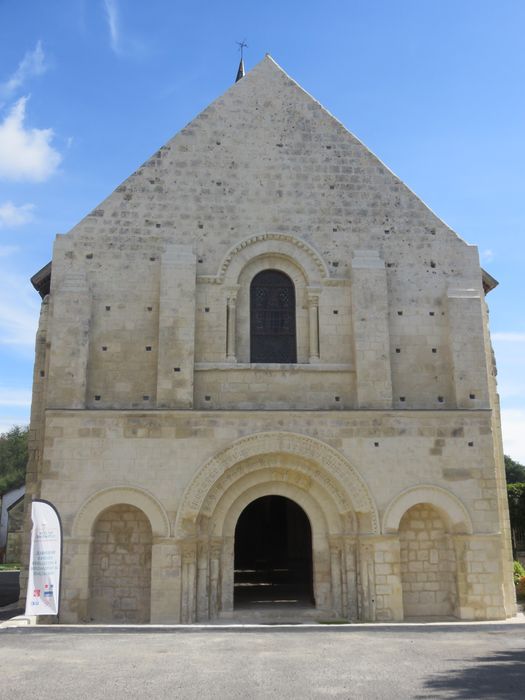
<point x="267" y="157"/>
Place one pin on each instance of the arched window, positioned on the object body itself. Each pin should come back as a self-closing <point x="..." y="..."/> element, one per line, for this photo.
<point x="272" y="318"/>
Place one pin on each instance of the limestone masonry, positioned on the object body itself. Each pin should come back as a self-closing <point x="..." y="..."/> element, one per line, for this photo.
<point x="264" y="381"/>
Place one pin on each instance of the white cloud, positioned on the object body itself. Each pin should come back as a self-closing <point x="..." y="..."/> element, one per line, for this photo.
<point x="12" y="216"/>
<point x="508" y="337"/>
<point x="122" y="44"/>
<point x="111" y="8"/>
<point x="33" y="63"/>
<point x="513" y="428"/>
<point x="487" y="255"/>
<point x="19" y="311"/>
<point x="25" y="154"/>
<point x="7" y="250"/>
<point x="15" y="397"/>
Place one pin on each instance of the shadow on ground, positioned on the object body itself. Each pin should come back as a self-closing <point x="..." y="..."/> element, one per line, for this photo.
<point x="7" y="614"/>
<point x="501" y="675"/>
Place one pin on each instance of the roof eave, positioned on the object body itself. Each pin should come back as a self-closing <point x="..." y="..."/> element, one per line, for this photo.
<point x="489" y="282"/>
<point x="41" y="280"/>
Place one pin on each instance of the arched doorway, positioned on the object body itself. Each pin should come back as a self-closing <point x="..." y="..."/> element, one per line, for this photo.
<point x="273" y="555"/>
<point x="272" y="318"/>
<point x="120" y="571"/>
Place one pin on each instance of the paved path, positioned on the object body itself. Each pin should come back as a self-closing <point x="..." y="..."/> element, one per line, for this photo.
<point x="375" y="662"/>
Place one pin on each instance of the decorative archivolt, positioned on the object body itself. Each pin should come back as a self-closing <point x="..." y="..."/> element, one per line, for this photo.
<point x="440" y="498"/>
<point x="128" y="495"/>
<point x="224" y="524"/>
<point x="328" y="467"/>
<point x="302" y="253"/>
<point x="275" y="474"/>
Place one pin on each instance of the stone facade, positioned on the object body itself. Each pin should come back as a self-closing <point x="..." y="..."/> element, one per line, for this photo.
<point x="152" y="430"/>
<point x="120" y="566"/>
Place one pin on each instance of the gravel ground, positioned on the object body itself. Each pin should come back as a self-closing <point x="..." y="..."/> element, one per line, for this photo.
<point x="402" y="662"/>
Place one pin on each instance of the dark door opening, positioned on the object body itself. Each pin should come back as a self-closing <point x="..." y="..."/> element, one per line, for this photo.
<point x="273" y="555"/>
<point x="272" y="318"/>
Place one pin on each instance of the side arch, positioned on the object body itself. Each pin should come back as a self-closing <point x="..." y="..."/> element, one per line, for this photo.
<point x="133" y="496"/>
<point x="440" y="498"/>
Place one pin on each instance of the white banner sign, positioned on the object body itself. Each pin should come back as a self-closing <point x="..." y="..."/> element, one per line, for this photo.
<point x="43" y="585"/>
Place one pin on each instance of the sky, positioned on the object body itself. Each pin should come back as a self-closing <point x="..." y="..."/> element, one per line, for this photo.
<point x="89" y="89"/>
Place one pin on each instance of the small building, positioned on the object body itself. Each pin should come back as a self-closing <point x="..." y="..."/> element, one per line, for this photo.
<point x="264" y="383"/>
<point x="11" y="525"/>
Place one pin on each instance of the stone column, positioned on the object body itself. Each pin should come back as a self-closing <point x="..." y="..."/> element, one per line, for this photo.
<point x="226" y="575"/>
<point x="313" y="318"/>
<point x="189" y="581"/>
<point x="215" y="565"/>
<point x="335" y="567"/>
<point x="366" y="582"/>
<point x="231" y="330"/>
<point x="350" y="602"/>
<point x="203" y="603"/>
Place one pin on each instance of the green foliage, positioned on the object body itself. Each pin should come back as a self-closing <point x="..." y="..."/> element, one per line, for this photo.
<point x="520" y="588"/>
<point x="519" y="572"/>
<point x="10" y="567"/>
<point x="13" y="458"/>
<point x="514" y="471"/>
<point x="516" y="496"/>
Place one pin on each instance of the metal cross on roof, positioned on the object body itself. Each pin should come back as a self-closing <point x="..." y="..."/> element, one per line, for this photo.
<point x="242" y="45"/>
<point x="240" y="71"/>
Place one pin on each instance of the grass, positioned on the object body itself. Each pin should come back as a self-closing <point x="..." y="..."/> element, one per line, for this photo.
<point x="334" y="622"/>
<point x="10" y="567"/>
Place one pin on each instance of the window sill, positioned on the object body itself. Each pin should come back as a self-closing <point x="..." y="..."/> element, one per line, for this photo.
<point x="270" y="367"/>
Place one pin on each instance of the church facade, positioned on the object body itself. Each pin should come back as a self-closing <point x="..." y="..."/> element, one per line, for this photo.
<point x="264" y="378"/>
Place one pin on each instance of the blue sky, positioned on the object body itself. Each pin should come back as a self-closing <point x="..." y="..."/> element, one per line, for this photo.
<point x="90" y="88"/>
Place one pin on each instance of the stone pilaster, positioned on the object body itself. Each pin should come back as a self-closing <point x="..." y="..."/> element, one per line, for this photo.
<point x="467" y="348"/>
<point x="69" y="352"/>
<point x="371" y="332"/>
<point x="176" y="328"/>
<point x="165" y="581"/>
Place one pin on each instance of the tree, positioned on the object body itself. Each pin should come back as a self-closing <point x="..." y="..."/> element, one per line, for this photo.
<point x="13" y="458"/>
<point x="514" y="471"/>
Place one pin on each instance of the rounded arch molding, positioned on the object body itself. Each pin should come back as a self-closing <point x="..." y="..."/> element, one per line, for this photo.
<point x="440" y="498"/>
<point x="332" y="470"/>
<point x="129" y="495"/>
<point x="303" y="254"/>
